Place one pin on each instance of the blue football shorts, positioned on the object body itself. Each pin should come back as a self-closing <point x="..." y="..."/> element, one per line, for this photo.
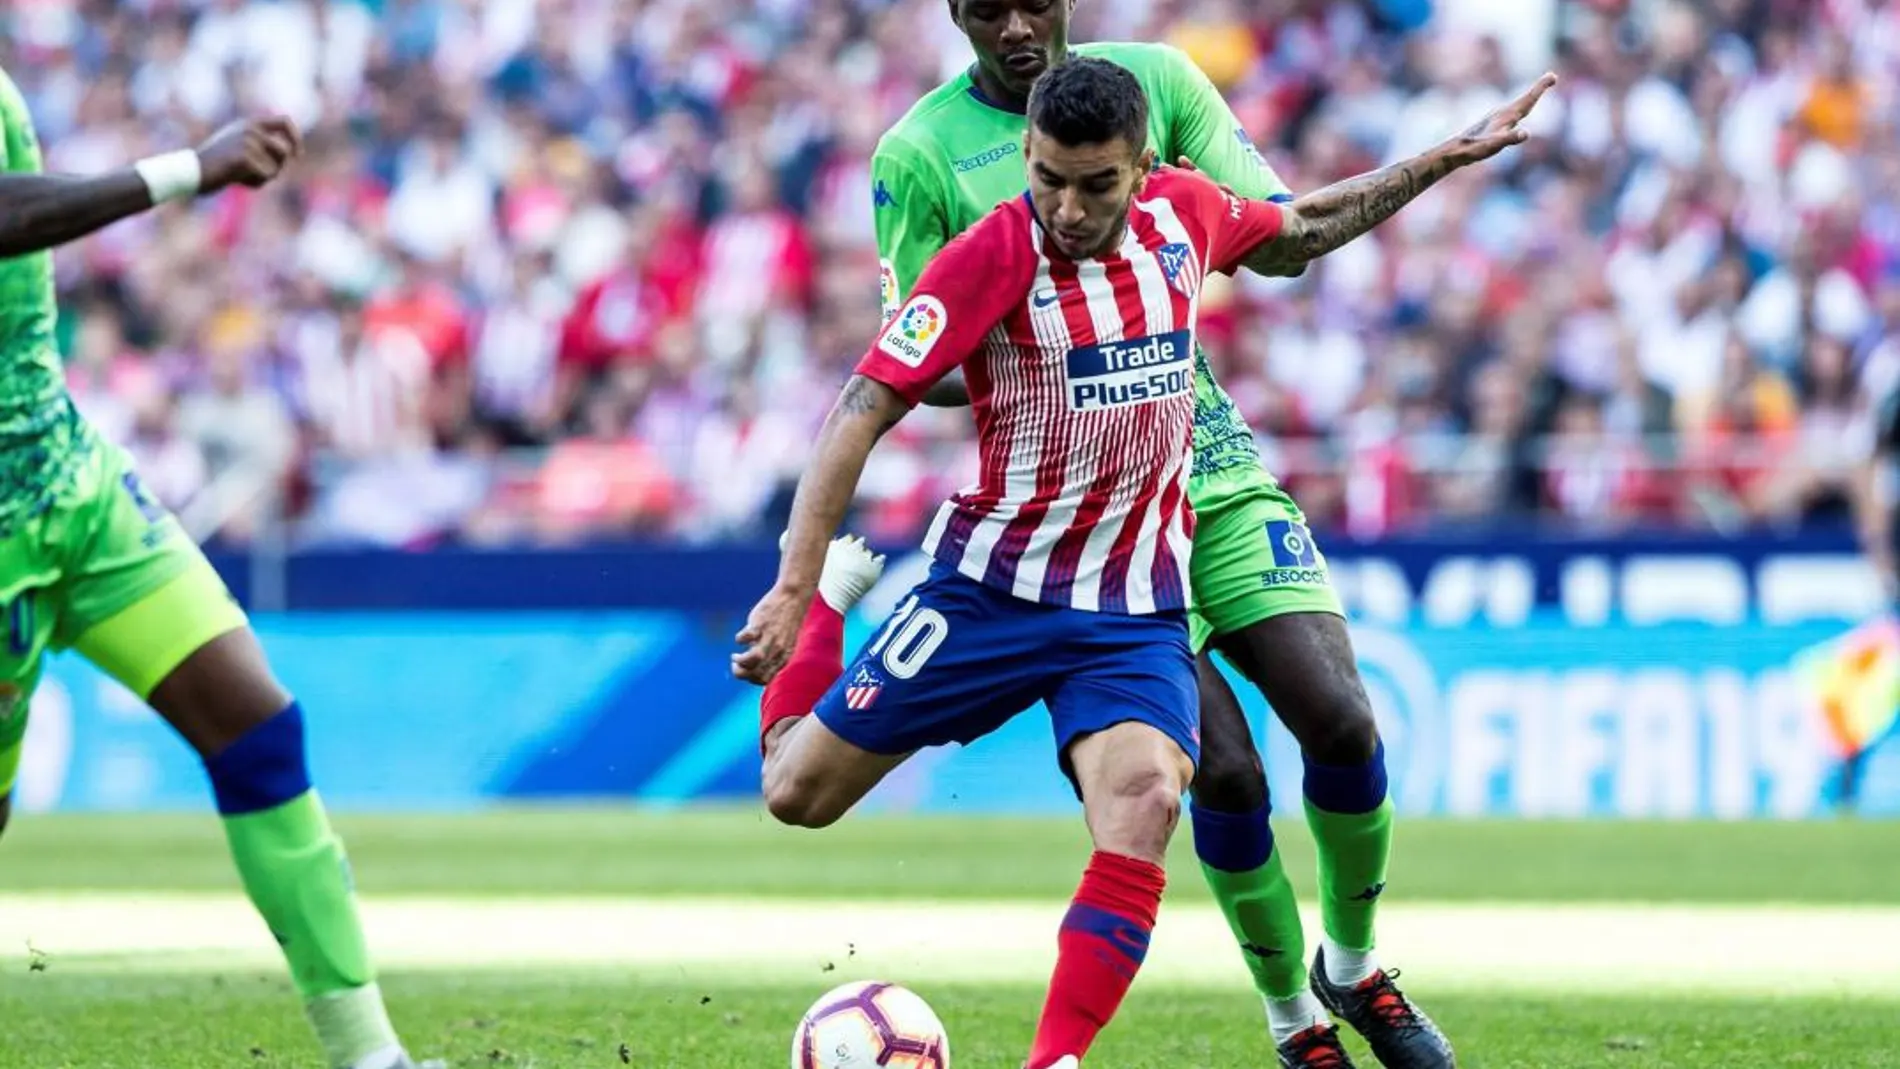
<point x="956" y="660"/>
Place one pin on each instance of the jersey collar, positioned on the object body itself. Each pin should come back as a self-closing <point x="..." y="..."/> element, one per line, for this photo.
<point x="977" y="94"/>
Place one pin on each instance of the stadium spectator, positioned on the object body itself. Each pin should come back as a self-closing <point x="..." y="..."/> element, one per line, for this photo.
<point x="640" y="229"/>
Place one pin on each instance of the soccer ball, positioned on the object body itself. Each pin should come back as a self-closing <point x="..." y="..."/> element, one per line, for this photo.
<point x="870" y="1025"/>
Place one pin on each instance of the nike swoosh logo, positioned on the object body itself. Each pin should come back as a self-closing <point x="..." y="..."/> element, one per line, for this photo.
<point x="1043" y="298"/>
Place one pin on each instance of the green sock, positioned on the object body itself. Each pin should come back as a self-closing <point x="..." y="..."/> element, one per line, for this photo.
<point x="1265" y="919"/>
<point x="1243" y="869"/>
<point x="296" y="874"/>
<point x="1353" y="850"/>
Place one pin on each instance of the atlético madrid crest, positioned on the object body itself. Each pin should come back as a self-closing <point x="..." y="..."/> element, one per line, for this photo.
<point x="1178" y="264"/>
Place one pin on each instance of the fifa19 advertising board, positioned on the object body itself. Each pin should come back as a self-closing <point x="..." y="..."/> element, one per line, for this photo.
<point x="1718" y="680"/>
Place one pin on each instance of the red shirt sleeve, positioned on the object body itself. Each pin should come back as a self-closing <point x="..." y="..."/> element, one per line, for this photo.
<point x="1236" y="225"/>
<point x="970" y="286"/>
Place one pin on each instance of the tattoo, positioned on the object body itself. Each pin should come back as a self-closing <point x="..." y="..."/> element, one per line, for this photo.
<point x="858" y="397"/>
<point x="1324" y="220"/>
<point x="862" y="396"/>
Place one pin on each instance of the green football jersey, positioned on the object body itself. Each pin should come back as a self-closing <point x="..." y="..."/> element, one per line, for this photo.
<point x="956" y="155"/>
<point x="40" y="438"/>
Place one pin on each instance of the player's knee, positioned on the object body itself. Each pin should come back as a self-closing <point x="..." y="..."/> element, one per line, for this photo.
<point x="1342" y="730"/>
<point x="1142" y="807"/>
<point x="1230" y="779"/>
<point x="798" y="798"/>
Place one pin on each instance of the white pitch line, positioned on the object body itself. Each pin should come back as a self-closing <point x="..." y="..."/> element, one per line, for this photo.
<point x="1631" y="948"/>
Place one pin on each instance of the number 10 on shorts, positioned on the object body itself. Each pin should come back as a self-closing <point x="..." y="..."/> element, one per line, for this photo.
<point x="909" y="637"/>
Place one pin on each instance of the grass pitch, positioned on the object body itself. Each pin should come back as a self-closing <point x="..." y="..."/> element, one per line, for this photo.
<point x="694" y="940"/>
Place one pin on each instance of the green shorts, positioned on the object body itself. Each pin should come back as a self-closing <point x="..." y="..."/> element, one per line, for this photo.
<point x="108" y="571"/>
<point x="1253" y="556"/>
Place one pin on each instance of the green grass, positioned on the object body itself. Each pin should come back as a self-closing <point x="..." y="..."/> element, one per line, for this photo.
<point x="503" y="1022"/>
<point x="96" y="1016"/>
<point x="610" y="851"/>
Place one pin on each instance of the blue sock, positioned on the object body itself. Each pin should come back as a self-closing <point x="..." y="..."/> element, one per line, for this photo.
<point x="1347" y="788"/>
<point x="1232" y="842"/>
<point x="264" y="768"/>
<point x="1351" y="819"/>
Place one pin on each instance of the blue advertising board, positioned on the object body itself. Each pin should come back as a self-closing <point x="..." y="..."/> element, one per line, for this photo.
<point x="1442" y="581"/>
<point x="447" y="711"/>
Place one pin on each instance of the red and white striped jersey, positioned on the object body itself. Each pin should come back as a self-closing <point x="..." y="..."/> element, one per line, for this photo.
<point x="1081" y="381"/>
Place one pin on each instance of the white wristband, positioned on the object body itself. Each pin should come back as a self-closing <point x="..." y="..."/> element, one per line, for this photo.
<point x="171" y="175"/>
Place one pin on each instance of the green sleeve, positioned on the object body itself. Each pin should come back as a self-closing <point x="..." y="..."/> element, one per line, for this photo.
<point x="910" y="222"/>
<point x="1206" y="131"/>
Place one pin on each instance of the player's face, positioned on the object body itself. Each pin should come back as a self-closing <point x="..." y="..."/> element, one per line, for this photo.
<point x="1014" y="40"/>
<point x="1082" y="192"/>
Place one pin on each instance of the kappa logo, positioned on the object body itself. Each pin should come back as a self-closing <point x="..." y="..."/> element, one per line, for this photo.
<point x="881" y="197"/>
<point x="993" y="154"/>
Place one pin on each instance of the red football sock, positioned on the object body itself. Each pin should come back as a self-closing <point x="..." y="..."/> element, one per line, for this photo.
<point x="817" y="661"/>
<point x="1103" y="940"/>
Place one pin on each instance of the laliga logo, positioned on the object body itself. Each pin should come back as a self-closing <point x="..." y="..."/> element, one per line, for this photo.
<point x="921" y="323"/>
<point x="1293" y="540"/>
<point x="1406" y="701"/>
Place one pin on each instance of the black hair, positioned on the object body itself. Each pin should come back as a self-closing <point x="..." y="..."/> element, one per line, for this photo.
<point x="1089" y="101"/>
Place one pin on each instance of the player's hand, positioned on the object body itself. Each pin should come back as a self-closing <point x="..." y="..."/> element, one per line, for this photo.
<point x="1497" y="131"/>
<point x="249" y="152"/>
<point x="769" y="634"/>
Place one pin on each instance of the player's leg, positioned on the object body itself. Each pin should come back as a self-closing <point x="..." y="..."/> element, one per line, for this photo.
<point x="1242" y="864"/>
<point x="30" y="575"/>
<point x="144" y="606"/>
<point x="1231" y="804"/>
<point x="1280" y="624"/>
<point x="946" y="666"/>
<point x="1304" y="665"/>
<point x="810" y="776"/>
<point x="12" y="743"/>
<point x="1125" y="723"/>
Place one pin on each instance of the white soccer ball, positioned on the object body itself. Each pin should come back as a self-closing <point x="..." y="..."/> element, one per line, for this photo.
<point x="869" y="1024"/>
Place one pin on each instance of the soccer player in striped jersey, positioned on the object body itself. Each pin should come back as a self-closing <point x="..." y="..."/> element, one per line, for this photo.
<point x="1262" y="596"/>
<point x="89" y="561"/>
<point x="1062" y="576"/>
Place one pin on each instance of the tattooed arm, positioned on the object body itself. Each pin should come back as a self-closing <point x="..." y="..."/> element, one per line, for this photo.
<point x="1325" y="219"/>
<point x="865" y="410"/>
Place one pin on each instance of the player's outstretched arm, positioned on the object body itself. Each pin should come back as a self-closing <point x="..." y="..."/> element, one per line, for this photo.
<point x="40" y="211"/>
<point x="866" y="409"/>
<point x="1326" y="219"/>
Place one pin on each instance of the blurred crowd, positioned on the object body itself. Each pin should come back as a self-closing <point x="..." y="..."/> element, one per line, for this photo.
<point x="569" y="269"/>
